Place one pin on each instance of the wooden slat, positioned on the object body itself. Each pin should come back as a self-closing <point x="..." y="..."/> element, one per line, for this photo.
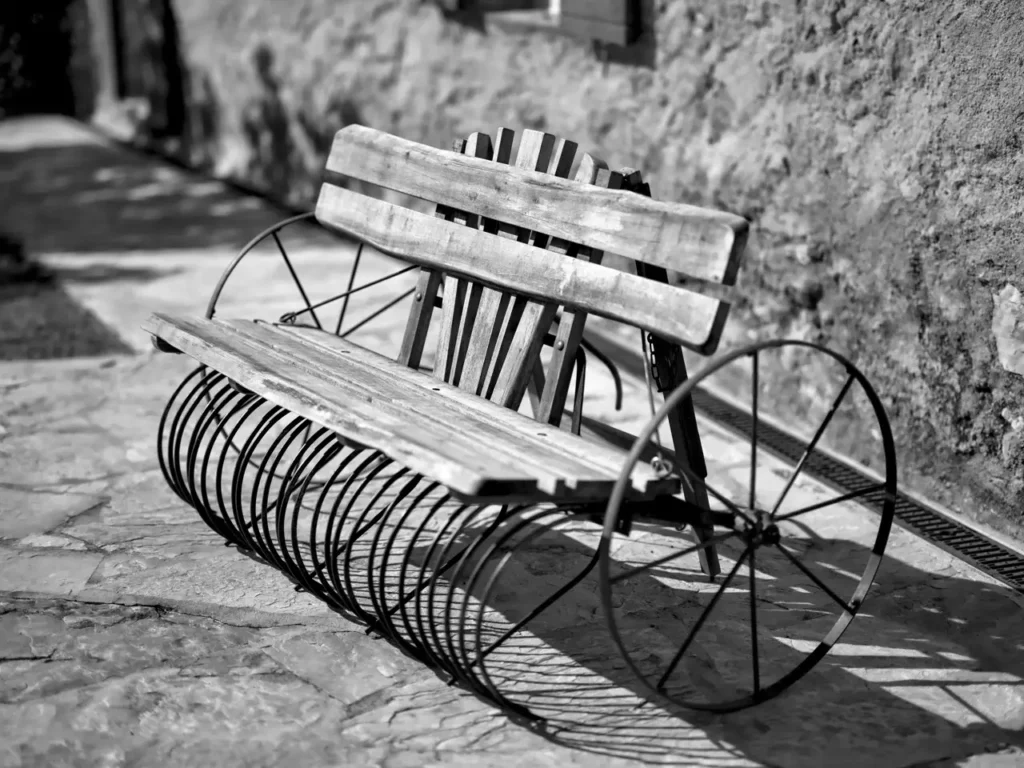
<point x="699" y="242"/>
<point x="493" y="315"/>
<point x="570" y="327"/>
<point x="476" y="448"/>
<point x="507" y="382"/>
<point x="459" y="310"/>
<point x="676" y="313"/>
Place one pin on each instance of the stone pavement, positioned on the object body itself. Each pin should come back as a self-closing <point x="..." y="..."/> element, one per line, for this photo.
<point x="129" y="635"/>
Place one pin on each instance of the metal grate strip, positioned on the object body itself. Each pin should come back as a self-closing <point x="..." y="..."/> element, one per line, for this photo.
<point x="981" y="552"/>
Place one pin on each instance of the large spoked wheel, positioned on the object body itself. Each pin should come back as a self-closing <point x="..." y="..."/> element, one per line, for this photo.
<point x="798" y="556"/>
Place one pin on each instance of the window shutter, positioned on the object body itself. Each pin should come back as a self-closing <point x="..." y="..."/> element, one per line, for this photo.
<point x="611" y="21"/>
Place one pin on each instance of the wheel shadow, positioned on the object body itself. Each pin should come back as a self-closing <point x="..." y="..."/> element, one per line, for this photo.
<point x="932" y="667"/>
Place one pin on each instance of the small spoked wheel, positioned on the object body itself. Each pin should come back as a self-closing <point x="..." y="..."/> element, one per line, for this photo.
<point x="305" y="283"/>
<point x="798" y="554"/>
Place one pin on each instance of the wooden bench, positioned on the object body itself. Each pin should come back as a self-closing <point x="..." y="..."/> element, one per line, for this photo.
<point x="337" y="464"/>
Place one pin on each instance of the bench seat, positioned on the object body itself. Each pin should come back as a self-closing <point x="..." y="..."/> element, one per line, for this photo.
<point x="480" y="451"/>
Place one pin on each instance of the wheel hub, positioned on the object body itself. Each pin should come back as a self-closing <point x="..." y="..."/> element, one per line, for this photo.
<point x="758" y="528"/>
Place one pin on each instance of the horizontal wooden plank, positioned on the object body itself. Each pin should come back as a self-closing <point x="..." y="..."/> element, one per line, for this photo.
<point x="480" y="451"/>
<point x="699" y="242"/>
<point x="676" y="313"/>
<point x="375" y="378"/>
<point x="479" y="414"/>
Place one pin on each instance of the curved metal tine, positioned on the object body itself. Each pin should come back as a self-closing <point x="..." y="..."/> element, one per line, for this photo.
<point x="219" y="399"/>
<point x="278" y="449"/>
<point x="811" y="445"/>
<point x="228" y="511"/>
<point x="752" y="504"/>
<point x="406" y="597"/>
<point x="162" y="428"/>
<point x="390" y="547"/>
<point x="341" y="551"/>
<point x="263" y="426"/>
<point x="429" y="632"/>
<point x="610" y="365"/>
<point x="481" y="653"/>
<point x="668" y="558"/>
<point x="337" y="516"/>
<point x="211" y="397"/>
<point x="701" y="619"/>
<point x="693" y="477"/>
<point x="360" y="528"/>
<point x="461" y="560"/>
<point x="378" y="587"/>
<point x="261" y="480"/>
<point x="301" y="474"/>
<point x="329" y="448"/>
<point x="444" y="646"/>
<point x="849" y="608"/>
<point x="422" y="583"/>
<point x="295" y="278"/>
<point x="214" y="516"/>
<point x="173" y="434"/>
<point x="320" y="565"/>
<point x="540" y="608"/>
<point x="178" y="429"/>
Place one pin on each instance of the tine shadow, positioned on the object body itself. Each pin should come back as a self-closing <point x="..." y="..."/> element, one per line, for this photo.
<point x="927" y="667"/>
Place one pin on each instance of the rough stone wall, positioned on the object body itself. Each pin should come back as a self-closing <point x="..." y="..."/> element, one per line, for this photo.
<point x="876" y="147"/>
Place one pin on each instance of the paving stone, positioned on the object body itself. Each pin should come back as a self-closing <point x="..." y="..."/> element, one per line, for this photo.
<point x="176" y="650"/>
<point x="25" y="512"/>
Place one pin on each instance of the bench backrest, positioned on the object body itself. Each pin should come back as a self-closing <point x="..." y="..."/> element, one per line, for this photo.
<point x="512" y="242"/>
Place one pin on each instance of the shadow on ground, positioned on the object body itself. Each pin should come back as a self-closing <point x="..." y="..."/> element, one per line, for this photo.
<point x="90" y="198"/>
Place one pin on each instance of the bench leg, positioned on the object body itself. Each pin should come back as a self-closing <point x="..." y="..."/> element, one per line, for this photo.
<point x="705" y="531"/>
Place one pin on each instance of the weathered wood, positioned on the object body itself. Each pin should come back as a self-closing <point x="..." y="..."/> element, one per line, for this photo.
<point x="674" y="312"/>
<point x="670" y="368"/>
<point x="699" y="242"/>
<point x="570" y="328"/>
<point x="478" y="449"/>
<point x="459" y="310"/>
<point x="522" y="341"/>
<point x="491" y="323"/>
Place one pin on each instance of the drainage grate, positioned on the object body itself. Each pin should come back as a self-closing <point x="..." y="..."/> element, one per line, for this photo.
<point x="980" y="551"/>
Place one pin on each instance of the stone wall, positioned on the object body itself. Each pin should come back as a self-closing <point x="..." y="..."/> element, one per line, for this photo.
<point x="876" y="147"/>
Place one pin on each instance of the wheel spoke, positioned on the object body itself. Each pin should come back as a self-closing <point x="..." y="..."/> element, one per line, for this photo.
<point x="348" y="291"/>
<point x="694" y="478"/>
<point x="378" y="312"/>
<point x="821" y="584"/>
<point x="668" y="558"/>
<point x="701" y="619"/>
<point x="753" y="436"/>
<point x="865" y="491"/>
<point x="753" y="625"/>
<point x="814" y="441"/>
<point x="298" y="283"/>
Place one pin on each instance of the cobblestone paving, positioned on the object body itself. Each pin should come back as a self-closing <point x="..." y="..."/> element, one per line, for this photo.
<point x="129" y="635"/>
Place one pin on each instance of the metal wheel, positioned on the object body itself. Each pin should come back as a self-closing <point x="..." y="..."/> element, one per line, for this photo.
<point x="794" y="573"/>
